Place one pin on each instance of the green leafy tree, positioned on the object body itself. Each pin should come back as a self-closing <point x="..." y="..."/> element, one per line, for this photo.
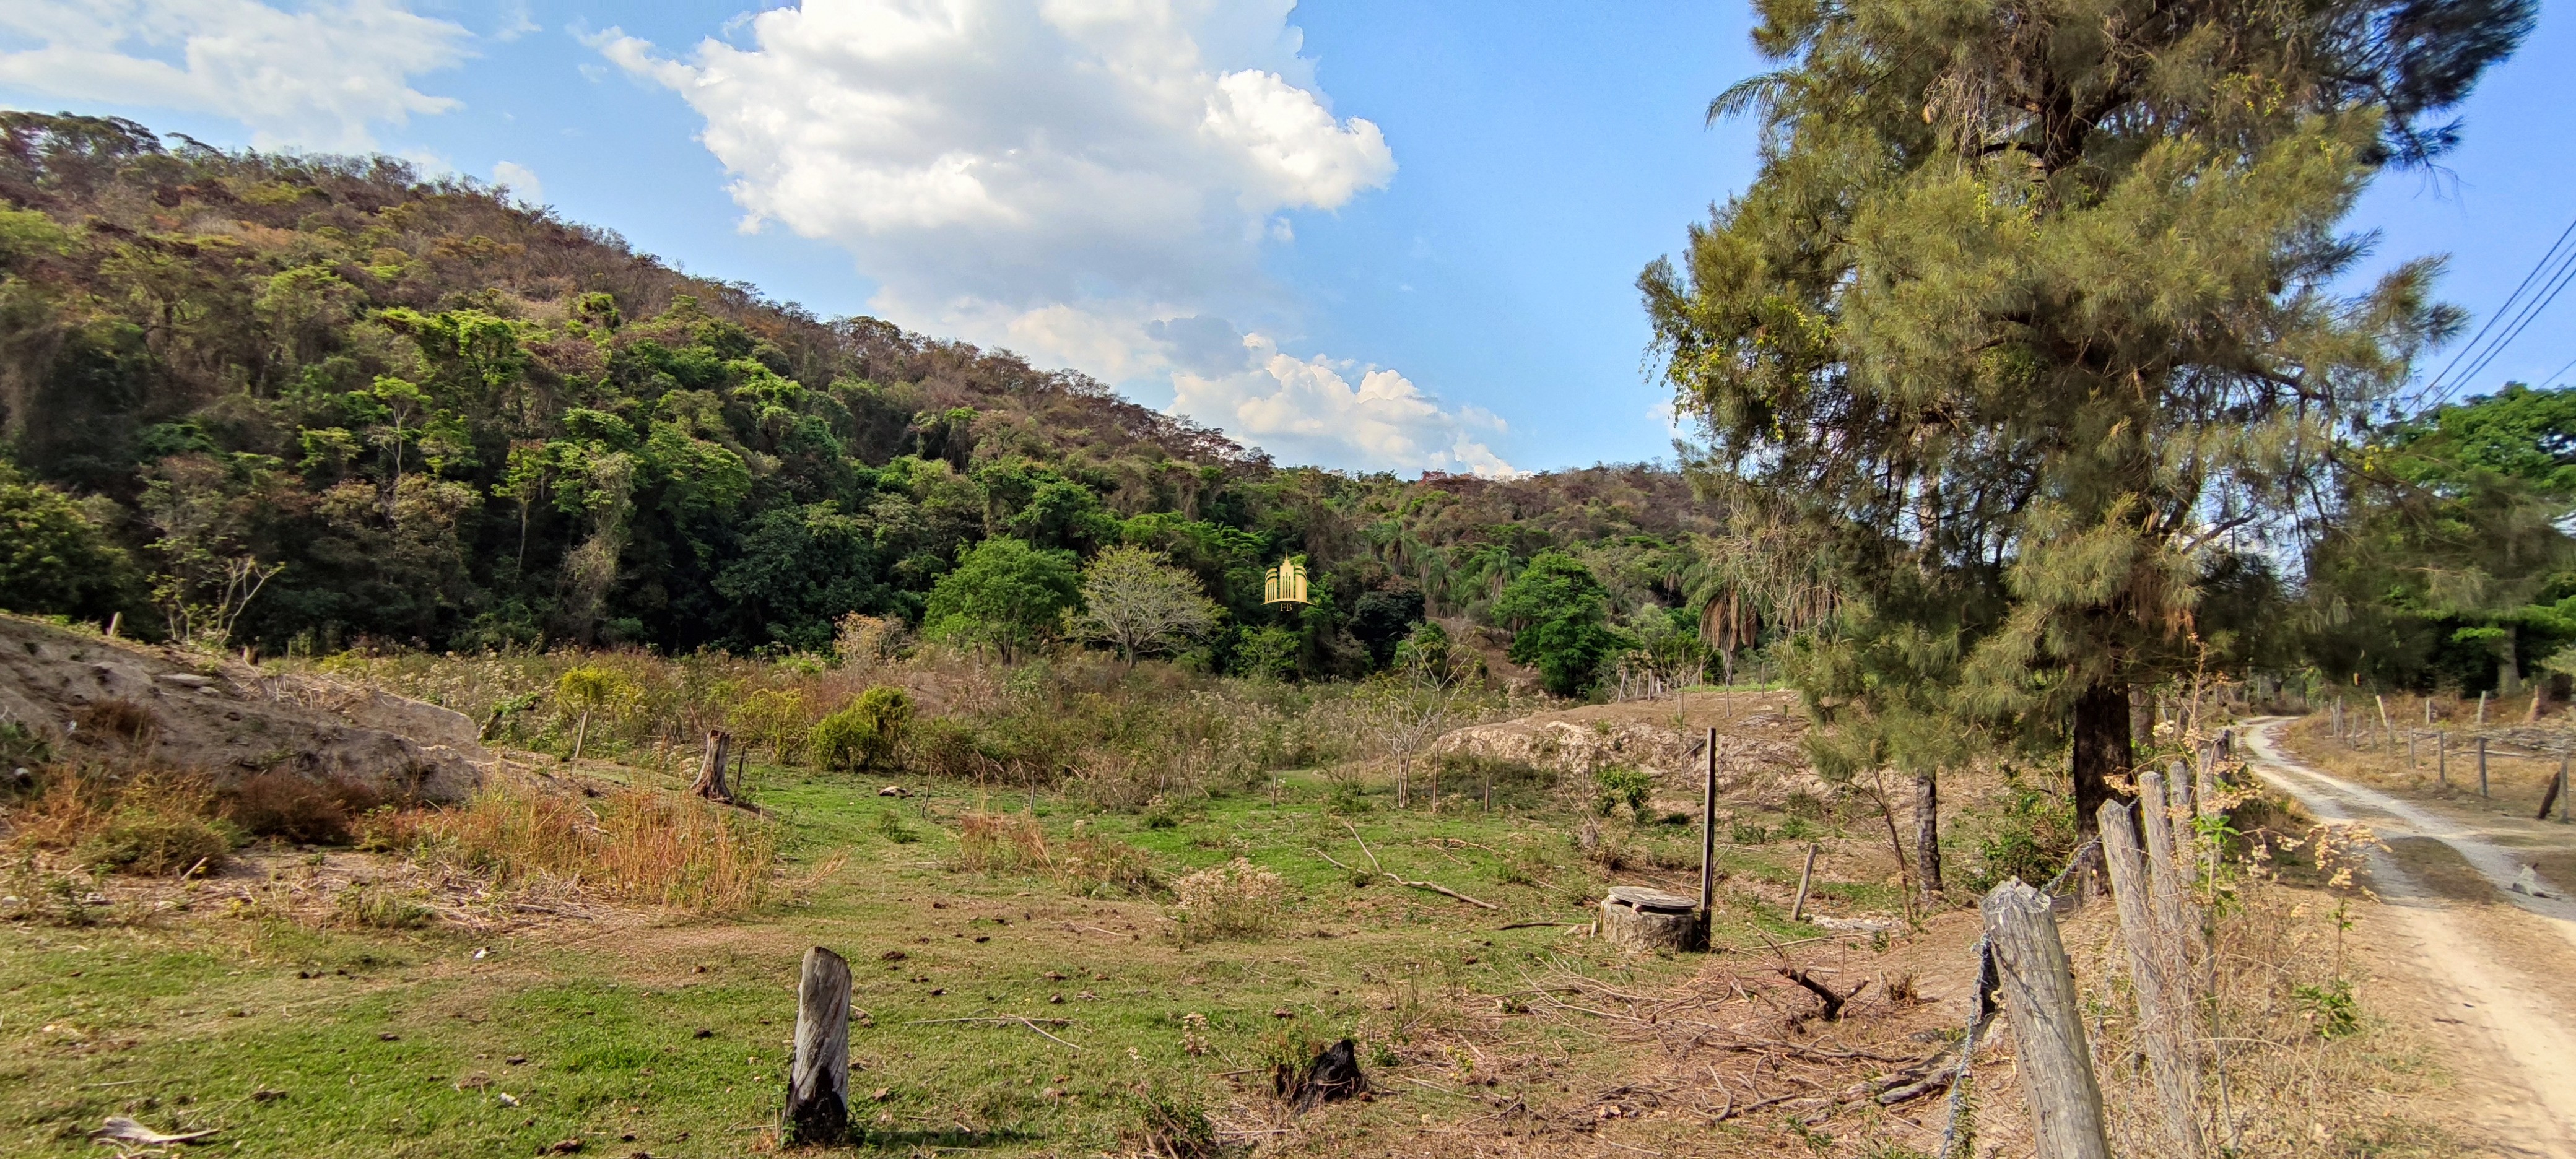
<point x="1135" y="601"/>
<point x="1004" y="594"/>
<point x="54" y="560"/>
<point x="801" y="569"/>
<point x="2044" y="297"/>
<point x="1560" y="616"/>
<point x="2451" y="555"/>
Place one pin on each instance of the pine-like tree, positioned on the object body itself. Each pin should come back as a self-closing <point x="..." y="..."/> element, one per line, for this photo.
<point x="2037" y="299"/>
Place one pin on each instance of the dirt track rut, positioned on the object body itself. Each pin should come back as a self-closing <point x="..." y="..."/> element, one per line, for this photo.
<point x="2477" y="962"/>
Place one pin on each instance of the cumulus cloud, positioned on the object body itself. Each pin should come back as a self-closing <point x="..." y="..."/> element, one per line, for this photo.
<point x="1308" y="407"/>
<point x="521" y="181"/>
<point x="319" y="74"/>
<point x="1089" y="182"/>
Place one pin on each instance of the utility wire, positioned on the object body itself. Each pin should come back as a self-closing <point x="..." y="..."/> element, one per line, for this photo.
<point x="2530" y="311"/>
<point x="2549" y="268"/>
<point x="2552" y="380"/>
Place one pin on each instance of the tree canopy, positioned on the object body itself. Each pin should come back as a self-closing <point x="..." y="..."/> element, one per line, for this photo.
<point x="2040" y="301"/>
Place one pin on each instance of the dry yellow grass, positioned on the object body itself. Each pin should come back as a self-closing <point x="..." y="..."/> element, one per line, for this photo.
<point x="631" y="844"/>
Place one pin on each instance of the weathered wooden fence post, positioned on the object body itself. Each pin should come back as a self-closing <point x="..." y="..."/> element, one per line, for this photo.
<point x="2162" y="997"/>
<point x="2482" y="765"/>
<point x="818" y="1084"/>
<point x="2048" y="1027"/>
<point x="2442" y="758"/>
<point x="2164" y="885"/>
<point x="1708" y="844"/>
<point x="1798" y="908"/>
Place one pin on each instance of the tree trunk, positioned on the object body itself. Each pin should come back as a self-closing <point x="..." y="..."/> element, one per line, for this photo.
<point x="1927" y="834"/>
<point x="2142" y="719"/>
<point x="2101" y="751"/>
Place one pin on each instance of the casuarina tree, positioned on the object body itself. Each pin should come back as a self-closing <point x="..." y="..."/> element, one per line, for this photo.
<point x="2046" y="300"/>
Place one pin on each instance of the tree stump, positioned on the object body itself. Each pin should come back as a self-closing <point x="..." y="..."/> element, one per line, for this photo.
<point x="818" y="1084"/>
<point x="1649" y="919"/>
<point x="711" y="769"/>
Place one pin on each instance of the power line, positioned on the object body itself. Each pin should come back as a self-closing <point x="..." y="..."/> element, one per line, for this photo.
<point x="2547" y="272"/>
<point x="2522" y="321"/>
<point x="2546" y="383"/>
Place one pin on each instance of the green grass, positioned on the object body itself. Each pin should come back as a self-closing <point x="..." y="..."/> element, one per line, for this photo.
<point x="673" y="1030"/>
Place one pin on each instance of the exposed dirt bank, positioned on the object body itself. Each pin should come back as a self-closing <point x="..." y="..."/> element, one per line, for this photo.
<point x="77" y="692"/>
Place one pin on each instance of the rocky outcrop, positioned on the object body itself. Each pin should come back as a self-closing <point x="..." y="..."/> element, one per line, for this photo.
<point x="84" y="694"/>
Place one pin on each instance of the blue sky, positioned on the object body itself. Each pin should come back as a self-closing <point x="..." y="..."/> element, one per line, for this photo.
<point x="1363" y="234"/>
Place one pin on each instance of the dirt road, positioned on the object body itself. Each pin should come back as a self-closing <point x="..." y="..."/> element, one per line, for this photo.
<point x="2496" y="981"/>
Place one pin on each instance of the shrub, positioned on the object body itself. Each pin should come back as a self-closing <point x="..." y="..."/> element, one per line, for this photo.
<point x="589" y="690"/>
<point x="1234" y="900"/>
<point x="1170" y="1125"/>
<point x="296" y="808"/>
<point x="155" y="840"/>
<point x="863" y="734"/>
<point x="1514" y="784"/>
<point x="117" y="717"/>
<point x="1622" y="786"/>
<point x="891" y="825"/>
<point x="2329" y="1007"/>
<point x="775" y="719"/>
<point x="1101" y="866"/>
<point x="945" y="747"/>
<point x="149" y="821"/>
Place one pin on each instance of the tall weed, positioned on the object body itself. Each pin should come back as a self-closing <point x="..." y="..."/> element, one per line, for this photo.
<point x="629" y="844"/>
<point x="1230" y="901"/>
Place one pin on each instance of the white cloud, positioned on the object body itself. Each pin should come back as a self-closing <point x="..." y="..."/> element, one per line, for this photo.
<point x="1054" y="176"/>
<point x="319" y="74"/>
<point x="1309" y="407"/>
<point x="521" y="181"/>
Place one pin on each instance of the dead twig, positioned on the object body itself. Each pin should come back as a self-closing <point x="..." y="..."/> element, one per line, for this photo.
<point x="1007" y="1020"/>
<point x="1432" y="886"/>
<point x="1833" y="1011"/>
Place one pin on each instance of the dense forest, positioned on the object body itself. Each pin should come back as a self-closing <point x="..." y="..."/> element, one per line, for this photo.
<point x="310" y="403"/>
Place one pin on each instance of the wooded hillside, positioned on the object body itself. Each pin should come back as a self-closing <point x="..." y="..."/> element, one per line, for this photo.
<point x="409" y="412"/>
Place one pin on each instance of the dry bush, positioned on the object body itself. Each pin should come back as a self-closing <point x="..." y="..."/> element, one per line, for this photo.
<point x="630" y="844"/>
<point x="1234" y="900"/>
<point x="1104" y="867"/>
<point x="297" y="808"/>
<point x="146" y="819"/>
<point x="1001" y="843"/>
<point x="117" y="718"/>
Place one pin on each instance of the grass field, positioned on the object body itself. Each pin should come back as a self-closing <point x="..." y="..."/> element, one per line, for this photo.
<point x="1004" y="1010"/>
